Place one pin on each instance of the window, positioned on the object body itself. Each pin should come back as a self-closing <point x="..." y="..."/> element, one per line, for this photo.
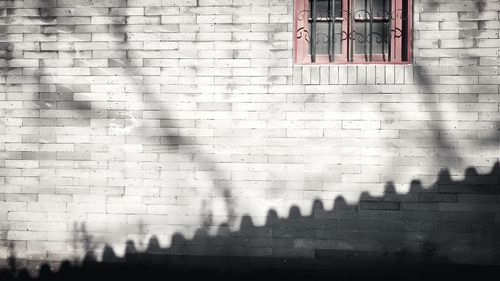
<point x="352" y="31"/>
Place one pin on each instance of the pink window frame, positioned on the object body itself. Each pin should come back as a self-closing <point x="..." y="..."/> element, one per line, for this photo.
<point x="301" y="56"/>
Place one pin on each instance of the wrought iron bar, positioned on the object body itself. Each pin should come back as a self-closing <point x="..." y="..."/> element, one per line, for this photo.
<point x="364" y="30"/>
<point x="384" y="23"/>
<point x="404" y="30"/>
<point x="389" y="55"/>
<point x="371" y="30"/>
<point x="326" y="19"/>
<point x="332" y="30"/>
<point x="351" y="31"/>
<point x="313" y="32"/>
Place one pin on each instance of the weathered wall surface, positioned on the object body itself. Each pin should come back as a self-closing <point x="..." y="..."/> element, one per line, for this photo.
<point x="126" y="119"/>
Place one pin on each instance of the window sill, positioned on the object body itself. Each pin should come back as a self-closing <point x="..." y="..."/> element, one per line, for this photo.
<point x="353" y="74"/>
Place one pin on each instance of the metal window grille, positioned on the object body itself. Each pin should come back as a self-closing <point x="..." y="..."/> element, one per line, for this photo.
<point x="360" y="31"/>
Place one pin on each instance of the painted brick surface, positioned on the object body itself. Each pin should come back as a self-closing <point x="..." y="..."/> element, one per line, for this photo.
<point x="127" y="119"/>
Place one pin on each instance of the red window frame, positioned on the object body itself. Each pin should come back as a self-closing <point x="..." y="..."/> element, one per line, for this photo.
<point x="301" y="46"/>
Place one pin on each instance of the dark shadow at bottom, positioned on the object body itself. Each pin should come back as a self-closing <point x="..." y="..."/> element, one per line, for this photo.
<point x="455" y="218"/>
<point x="340" y="266"/>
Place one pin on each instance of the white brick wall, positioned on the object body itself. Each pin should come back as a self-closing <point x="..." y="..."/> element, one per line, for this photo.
<point x="120" y="113"/>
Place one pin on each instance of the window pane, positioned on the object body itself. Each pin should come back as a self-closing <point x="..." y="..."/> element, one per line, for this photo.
<point x="381" y="8"/>
<point x="379" y="40"/>
<point x="323" y="38"/>
<point x="323" y="8"/>
<point x="362" y="8"/>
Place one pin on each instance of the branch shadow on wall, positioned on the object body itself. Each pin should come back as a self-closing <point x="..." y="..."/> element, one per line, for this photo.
<point x="397" y="236"/>
<point x="431" y="88"/>
<point x="47" y="100"/>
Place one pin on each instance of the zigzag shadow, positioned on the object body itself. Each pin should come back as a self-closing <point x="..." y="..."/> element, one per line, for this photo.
<point x="410" y="236"/>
